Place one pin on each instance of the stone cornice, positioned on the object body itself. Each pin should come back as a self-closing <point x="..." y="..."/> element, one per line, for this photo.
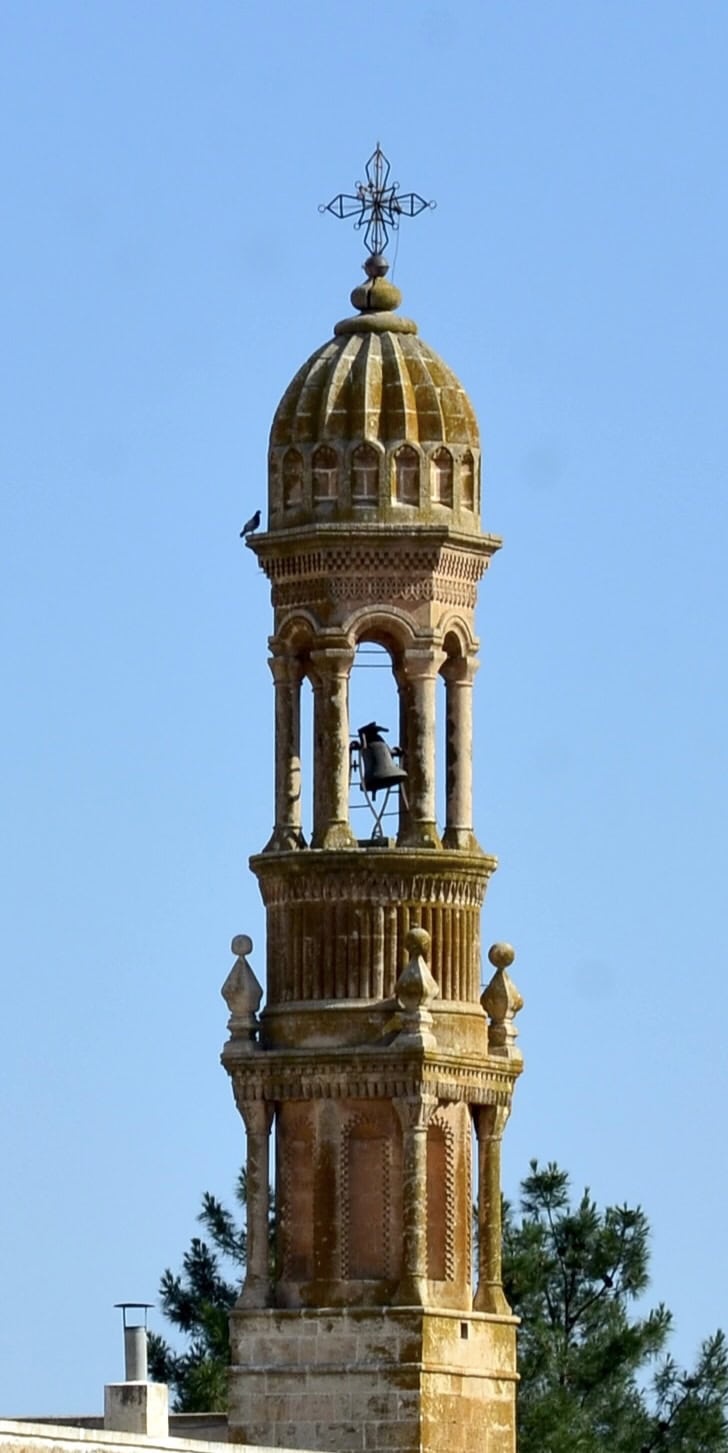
<point x="384" y="875"/>
<point x="313" y="550"/>
<point x="372" y="1074"/>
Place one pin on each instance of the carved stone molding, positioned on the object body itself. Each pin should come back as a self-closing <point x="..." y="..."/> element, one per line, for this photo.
<point x="320" y="593"/>
<point x="257" y="1115"/>
<point x="456" y="879"/>
<point x="399" y="558"/>
<point x="276" y="1077"/>
<point x="415" y="1110"/>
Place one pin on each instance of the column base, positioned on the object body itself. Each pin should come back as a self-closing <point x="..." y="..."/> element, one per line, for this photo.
<point x="490" y="1297"/>
<point x="420" y="835"/>
<point x="256" y="1292"/>
<point x="336" y="835"/>
<point x="285" y="839"/>
<point x="409" y="1379"/>
<point x="411" y="1292"/>
<point x="461" y="839"/>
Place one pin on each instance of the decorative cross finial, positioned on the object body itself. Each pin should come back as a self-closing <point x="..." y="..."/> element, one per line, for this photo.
<point x="377" y="206"/>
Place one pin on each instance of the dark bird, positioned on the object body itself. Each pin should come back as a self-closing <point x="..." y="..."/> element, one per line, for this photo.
<point x="250" y="525"/>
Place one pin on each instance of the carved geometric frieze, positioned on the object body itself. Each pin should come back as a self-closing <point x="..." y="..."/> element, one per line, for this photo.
<point x="401" y="560"/>
<point x="403" y="570"/>
<point x="319" y="593"/>
<point x="322" y="1077"/>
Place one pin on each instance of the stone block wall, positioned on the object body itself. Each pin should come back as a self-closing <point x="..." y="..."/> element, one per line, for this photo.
<point x="395" y="1380"/>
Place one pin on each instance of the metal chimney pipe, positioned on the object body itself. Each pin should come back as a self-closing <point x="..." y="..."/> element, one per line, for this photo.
<point x="135" y="1342"/>
<point x="135" y="1354"/>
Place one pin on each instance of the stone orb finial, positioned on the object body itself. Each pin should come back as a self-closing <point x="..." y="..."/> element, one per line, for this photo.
<point x="241" y="945"/>
<point x="417" y="943"/>
<point x="376" y="296"/>
<point x="501" y="955"/>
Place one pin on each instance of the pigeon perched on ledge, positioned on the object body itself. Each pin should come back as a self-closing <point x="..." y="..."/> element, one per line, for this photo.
<point x="250" y="525"/>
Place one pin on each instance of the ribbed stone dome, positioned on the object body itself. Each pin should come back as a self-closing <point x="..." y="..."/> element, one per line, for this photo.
<point x="375" y="426"/>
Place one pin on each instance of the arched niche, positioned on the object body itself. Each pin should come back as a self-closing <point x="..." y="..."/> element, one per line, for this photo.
<point x="365" y="466"/>
<point x="467" y="481"/>
<point x="292" y="471"/>
<point x="407" y="475"/>
<point x="442" y="477"/>
<point x="325" y="475"/>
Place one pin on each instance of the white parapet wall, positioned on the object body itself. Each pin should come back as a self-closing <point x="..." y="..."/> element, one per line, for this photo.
<point x="22" y="1437"/>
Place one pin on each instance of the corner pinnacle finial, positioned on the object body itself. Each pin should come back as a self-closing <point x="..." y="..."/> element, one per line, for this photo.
<point x="377" y="205"/>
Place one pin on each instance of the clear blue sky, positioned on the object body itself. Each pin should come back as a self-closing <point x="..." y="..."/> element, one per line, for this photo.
<point x="164" y="273"/>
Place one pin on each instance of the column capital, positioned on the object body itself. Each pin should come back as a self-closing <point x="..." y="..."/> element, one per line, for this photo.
<point x="422" y="662"/>
<point x="257" y="1115"/>
<point x="490" y="1121"/>
<point x="460" y="670"/>
<point x="415" y="1111"/>
<point x="335" y="659"/>
<point x="285" y="669"/>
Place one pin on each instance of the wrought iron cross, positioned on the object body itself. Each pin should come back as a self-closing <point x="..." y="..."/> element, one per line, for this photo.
<point x="377" y="204"/>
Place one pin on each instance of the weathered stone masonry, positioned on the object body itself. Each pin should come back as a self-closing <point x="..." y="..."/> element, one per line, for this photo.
<point x="376" y="1059"/>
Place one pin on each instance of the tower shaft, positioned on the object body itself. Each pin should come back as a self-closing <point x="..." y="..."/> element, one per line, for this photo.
<point x="374" y="1065"/>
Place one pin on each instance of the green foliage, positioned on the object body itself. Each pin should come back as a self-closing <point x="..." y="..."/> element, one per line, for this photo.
<point x="198" y="1303"/>
<point x="594" y="1375"/>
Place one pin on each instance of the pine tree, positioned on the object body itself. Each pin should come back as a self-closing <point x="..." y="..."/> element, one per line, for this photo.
<point x="198" y="1302"/>
<point x="595" y="1377"/>
<point x="572" y="1274"/>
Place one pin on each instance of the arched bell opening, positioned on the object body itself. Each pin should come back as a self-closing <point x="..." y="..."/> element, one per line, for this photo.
<point x="441" y="752"/>
<point x="378" y="773"/>
<point x="306" y="764"/>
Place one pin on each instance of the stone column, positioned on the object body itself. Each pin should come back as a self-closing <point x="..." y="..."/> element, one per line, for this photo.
<point x="257" y="1115"/>
<point x="490" y="1122"/>
<point x="419" y="674"/>
<point x="414" y="1112"/>
<point x="287" y="677"/>
<point x="331" y="827"/>
<point x="459" y="672"/>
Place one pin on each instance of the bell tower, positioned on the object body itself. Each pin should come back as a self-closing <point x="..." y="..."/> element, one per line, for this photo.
<point x="377" y="1064"/>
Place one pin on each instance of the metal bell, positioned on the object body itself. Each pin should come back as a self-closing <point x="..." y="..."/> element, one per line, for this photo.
<point x="379" y="770"/>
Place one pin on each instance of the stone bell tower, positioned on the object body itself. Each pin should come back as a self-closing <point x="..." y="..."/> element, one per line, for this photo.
<point x="376" y="1058"/>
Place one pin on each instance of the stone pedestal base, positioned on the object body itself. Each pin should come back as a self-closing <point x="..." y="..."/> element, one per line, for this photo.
<point x="138" y="1408"/>
<point x="387" y="1380"/>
